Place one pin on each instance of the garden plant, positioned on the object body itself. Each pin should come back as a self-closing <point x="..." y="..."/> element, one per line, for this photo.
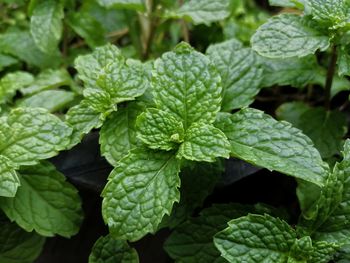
<point x="189" y="100"/>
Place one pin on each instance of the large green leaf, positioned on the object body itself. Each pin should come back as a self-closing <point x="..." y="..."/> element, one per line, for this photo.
<point x="118" y="133"/>
<point x="139" y="192"/>
<point x="186" y="84"/>
<point x="107" y="249"/>
<point x="204" y="142"/>
<point x="17" y="245"/>
<point x="9" y="181"/>
<point x="127" y="4"/>
<point x="240" y="72"/>
<point x="46" y="25"/>
<point x="44" y="202"/>
<point x="289" y="35"/>
<point x="261" y="140"/>
<point x="32" y="134"/>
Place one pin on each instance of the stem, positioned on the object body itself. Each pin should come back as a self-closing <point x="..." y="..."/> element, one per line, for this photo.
<point x="330" y="76"/>
<point x="148" y="25"/>
<point x="185" y="31"/>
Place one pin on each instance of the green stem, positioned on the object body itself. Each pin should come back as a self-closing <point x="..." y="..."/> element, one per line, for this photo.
<point x="330" y="76"/>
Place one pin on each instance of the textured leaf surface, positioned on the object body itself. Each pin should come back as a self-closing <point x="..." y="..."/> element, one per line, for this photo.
<point x="204" y="142"/>
<point x="17" y="245"/>
<point x="240" y="72"/>
<point x="261" y="140"/>
<point x="118" y="133"/>
<point x="140" y="191"/>
<point x="297" y="72"/>
<point x="325" y="128"/>
<point x="159" y="129"/>
<point x="332" y="12"/>
<point x="32" y="134"/>
<point x="204" y="11"/>
<point x="344" y="61"/>
<point x="46" y="25"/>
<point x="288" y="35"/>
<point x="109" y="250"/>
<point x="9" y="181"/>
<point x="186" y="84"/>
<point x="52" y="100"/>
<point x="256" y="238"/>
<point x="128" y="4"/>
<point x="45" y="202"/>
<point x="11" y="83"/>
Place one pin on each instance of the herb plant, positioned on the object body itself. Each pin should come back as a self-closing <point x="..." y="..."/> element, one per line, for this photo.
<point x="177" y="92"/>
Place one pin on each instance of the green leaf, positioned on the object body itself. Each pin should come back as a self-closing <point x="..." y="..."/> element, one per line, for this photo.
<point x="46" y="25"/>
<point x="324" y="252"/>
<point x="45" y="202"/>
<point x="48" y="79"/>
<point x="17" y="245"/>
<point x="139" y="192"/>
<point x="288" y="3"/>
<point x="127" y="4"/>
<point x="186" y="84"/>
<point x="288" y="35"/>
<point x="52" y="100"/>
<point x="325" y="128"/>
<point x="82" y="118"/>
<point x="88" y="28"/>
<point x="6" y="61"/>
<point x="240" y="72"/>
<point x="343" y="61"/>
<point x="108" y="249"/>
<point x="331" y="12"/>
<point x="32" y="134"/>
<point x="296" y="72"/>
<point x="9" y="181"/>
<point x="159" y="130"/>
<point x="20" y="44"/>
<point x="204" y="11"/>
<point x="11" y="83"/>
<point x="204" y="142"/>
<point x="256" y="238"/>
<point x="118" y="133"/>
<point x="261" y="140"/>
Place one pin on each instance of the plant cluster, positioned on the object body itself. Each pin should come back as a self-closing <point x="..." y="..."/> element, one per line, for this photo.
<point x="171" y="88"/>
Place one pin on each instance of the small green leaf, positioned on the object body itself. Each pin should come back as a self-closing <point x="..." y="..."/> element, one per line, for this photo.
<point x="9" y="181"/>
<point x="203" y="11"/>
<point x="108" y="249"/>
<point x="32" y="134"/>
<point x="52" y="100"/>
<point x="17" y="245"/>
<point x="13" y="82"/>
<point x="331" y="12"/>
<point x="118" y="133"/>
<point x="139" y="192"/>
<point x="344" y="61"/>
<point x="256" y="238"/>
<point x="127" y="4"/>
<point x="240" y="72"/>
<point x="288" y="3"/>
<point x="159" y="130"/>
<point x="261" y="140"/>
<point x="46" y="25"/>
<point x="288" y="35"/>
<point x="204" y="142"/>
<point x="186" y="84"/>
<point x="45" y="202"/>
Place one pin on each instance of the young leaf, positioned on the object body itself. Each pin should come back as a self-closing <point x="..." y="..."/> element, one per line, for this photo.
<point x="331" y="12"/>
<point x="32" y="134"/>
<point x="45" y="202"/>
<point x="187" y="85"/>
<point x="108" y="249"/>
<point x="139" y="192"/>
<point x="118" y="133"/>
<point x="240" y="72"/>
<point x="127" y="4"/>
<point x="204" y="142"/>
<point x="259" y="139"/>
<point x="159" y="130"/>
<point x="11" y="83"/>
<point x="288" y="35"/>
<point x="325" y="128"/>
<point x="46" y="25"/>
<point x="256" y="238"/>
<point x="17" y="245"/>
<point x="9" y="181"/>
